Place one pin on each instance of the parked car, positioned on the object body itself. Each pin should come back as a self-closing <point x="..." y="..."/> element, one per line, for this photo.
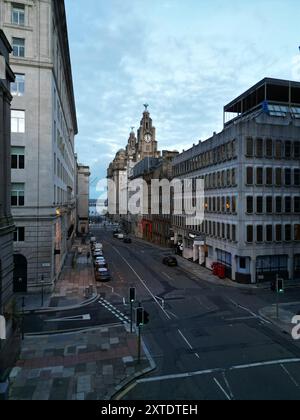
<point x="100" y="264"/>
<point x="170" y="261"/>
<point x="97" y="255"/>
<point x="102" y="274"/>
<point x="127" y="240"/>
<point x="93" y="240"/>
<point x="120" y="236"/>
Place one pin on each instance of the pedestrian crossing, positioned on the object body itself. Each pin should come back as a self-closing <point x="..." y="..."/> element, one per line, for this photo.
<point x="111" y="308"/>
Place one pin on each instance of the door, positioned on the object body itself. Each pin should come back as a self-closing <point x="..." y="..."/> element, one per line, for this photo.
<point x="20" y="274"/>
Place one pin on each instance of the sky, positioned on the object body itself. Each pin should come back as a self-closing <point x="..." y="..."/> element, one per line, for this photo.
<point x="185" y="58"/>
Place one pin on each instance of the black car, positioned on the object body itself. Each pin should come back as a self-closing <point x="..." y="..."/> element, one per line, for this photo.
<point x="170" y="261"/>
<point x="127" y="240"/>
<point x="102" y="275"/>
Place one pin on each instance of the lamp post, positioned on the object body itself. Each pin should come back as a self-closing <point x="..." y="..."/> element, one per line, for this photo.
<point x="42" y="290"/>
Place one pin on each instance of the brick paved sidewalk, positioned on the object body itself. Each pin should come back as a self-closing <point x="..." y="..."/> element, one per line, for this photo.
<point x="72" y="286"/>
<point x="90" y="365"/>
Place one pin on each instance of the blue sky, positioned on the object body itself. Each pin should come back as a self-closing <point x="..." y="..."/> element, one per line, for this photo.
<point x="186" y="58"/>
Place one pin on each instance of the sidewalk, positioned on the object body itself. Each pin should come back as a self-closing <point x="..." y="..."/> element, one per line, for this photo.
<point x="92" y="365"/>
<point x="71" y="288"/>
<point x="199" y="272"/>
<point x="286" y="313"/>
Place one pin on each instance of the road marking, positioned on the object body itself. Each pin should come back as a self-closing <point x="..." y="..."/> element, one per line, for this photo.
<point x="290" y="376"/>
<point x="143" y="283"/>
<point x="217" y="370"/>
<point x="222" y="389"/>
<point x="165" y="274"/>
<point x="86" y="317"/>
<point x="190" y="346"/>
<point x="241" y="318"/>
<point x="250" y="312"/>
<point x="118" y="314"/>
<point x="228" y="386"/>
<point x="187" y="342"/>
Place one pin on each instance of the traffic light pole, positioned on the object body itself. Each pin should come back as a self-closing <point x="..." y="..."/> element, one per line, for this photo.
<point x="139" y="345"/>
<point x="131" y="317"/>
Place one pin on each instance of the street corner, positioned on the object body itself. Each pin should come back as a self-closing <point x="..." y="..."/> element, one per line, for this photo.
<point x="282" y="316"/>
<point x="92" y="365"/>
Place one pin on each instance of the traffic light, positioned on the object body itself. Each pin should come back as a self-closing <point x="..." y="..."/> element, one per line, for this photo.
<point x="132" y="294"/>
<point x="146" y="317"/>
<point x="139" y="317"/>
<point x="280" y="286"/>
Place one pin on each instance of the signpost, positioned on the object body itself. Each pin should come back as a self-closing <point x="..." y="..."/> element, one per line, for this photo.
<point x="279" y="291"/>
<point x="132" y="296"/>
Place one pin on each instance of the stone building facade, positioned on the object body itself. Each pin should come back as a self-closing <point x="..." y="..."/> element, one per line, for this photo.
<point x="251" y="172"/>
<point x="83" y="188"/>
<point x="8" y="347"/>
<point x="44" y="126"/>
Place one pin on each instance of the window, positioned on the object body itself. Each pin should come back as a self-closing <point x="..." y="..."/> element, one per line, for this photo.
<point x="233" y="233"/>
<point x="233" y="177"/>
<point x="259" y="205"/>
<point x="17" y="121"/>
<point x="297" y="204"/>
<point x="18" y="157"/>
<point x="18" y="86"/>
<point x="288" y="177"/>
<point x="278" y="177"/>
<point x="278" y="149"/>
<point x="297" y="232"/>
<point x="259" y="176"/>
<point x="288" y="233"/>
<point x="288" y="150"/>
<point x="250" y="205"/>
<point x="278" y="204"/>
<point x="269" y="176"/>
<point x="243" y="261"/>
<point x="17" y="194"/>
<point x="19" y="234"/>
<point x="234" y="205"/>
<point x="259" y="233"/>
<point x="18" y="45"/>
<point x="269" y="233"/>
<point x="228" y="232"/>
<point x="288" y="204"/>
<point x="259" y="148"/>
<point x="297" y="150"/>
<point x="278" y="230"/>
<point x="249" y="176"/>
<point x="269" y="204"/>
<point x="228" y="177"/>
<point x="18" y="14"/>
<point x="249" y="147"/>
<point x="297" y="177"/>
<point x="250" y="233"/>
<point x="269" y="148"/>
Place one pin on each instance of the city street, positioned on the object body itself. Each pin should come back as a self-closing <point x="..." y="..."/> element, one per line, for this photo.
<point x="208" y="341"/>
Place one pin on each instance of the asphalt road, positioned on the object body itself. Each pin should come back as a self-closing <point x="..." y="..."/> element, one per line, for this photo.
<point x="207" y="341"/>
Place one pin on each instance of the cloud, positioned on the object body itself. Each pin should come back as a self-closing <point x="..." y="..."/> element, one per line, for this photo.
<point x="186" y="59"/>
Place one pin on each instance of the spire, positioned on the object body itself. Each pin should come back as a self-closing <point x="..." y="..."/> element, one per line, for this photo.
<point x="146" y="108"/>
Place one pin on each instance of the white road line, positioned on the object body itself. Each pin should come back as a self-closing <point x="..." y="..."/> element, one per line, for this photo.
<point x="190" y="346"/>
<point x="250" y="312"/>
<point x="143" y="283"/>
<point x="165" y="274"/>
<point x="290" y="376"/>
<point x="222" y="389"/>
<point x="241" y="318"/>
<point x="228" y="386"/>
<point x="217" y="370"/>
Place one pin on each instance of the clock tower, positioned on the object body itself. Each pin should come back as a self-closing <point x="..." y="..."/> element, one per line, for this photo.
<point x="146" y="136"/>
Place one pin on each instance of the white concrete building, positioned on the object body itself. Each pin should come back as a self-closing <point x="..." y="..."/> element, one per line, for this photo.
<point x="252" y="187"/>
<point x="43" y="125"/>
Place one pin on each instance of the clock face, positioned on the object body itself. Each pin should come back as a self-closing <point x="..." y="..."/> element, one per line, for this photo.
<point x="147" y="138"/>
